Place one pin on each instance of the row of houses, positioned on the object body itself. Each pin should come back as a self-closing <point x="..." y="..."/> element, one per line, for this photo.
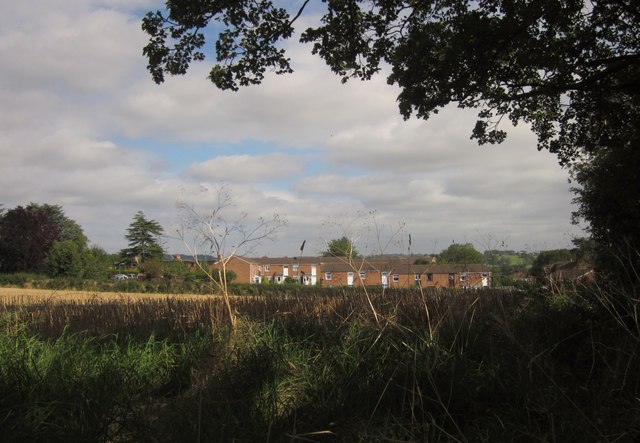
<point x="394" y="272"/>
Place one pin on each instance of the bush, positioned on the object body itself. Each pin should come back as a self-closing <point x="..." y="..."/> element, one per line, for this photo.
<point x="152" y="269"/>
<point x="64" y="259"/>
<point x="20" y="279"/>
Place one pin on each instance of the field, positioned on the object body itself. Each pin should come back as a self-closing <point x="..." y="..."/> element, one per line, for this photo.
<point x="339" y="365"/>
<point x="24" y="296"/>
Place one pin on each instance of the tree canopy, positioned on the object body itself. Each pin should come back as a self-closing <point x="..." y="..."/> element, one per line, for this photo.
<point x="340" y="247"/>
<point x="461" y="254"/>
<point x="70" y="230"/>
<point x="570" y="69"/>
<point x="28" y="234"/>
<point x="65" y="259"/>
<point x="144" y="240"/>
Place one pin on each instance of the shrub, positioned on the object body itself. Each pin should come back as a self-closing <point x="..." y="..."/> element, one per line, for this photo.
<point x="20" y="279"/>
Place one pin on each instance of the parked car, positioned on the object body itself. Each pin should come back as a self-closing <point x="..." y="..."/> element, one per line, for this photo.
<point x="120" y="277"/>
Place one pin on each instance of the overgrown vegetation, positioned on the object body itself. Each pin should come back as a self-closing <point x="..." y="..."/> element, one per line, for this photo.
<point x="434" y="366"/>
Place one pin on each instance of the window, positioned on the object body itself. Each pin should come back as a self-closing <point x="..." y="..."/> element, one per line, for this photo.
<point x="463" y="276"/>
<point x="396" y="278"/>
<point x="363" y="275"/>
<point x="327" y="275"/>
<point x="296" y="267"/>
<point x="266" y="268"/>
<point x="418" y="277"/>
<point x="452" y="277"/>
<point x="429" y="277"/>
<point x="285" y="266"/>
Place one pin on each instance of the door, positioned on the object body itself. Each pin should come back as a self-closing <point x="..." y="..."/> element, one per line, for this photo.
<point x="350" y="278"/>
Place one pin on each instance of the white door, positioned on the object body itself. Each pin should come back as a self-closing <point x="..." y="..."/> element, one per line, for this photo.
<point x="385" y="279"/>
<point x="350" y="278"/>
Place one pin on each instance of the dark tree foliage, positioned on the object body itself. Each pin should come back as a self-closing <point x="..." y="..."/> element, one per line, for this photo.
<point x="143" y="236"/>
<point x="69" y="229"/>
<point x="546" y="258"/>
<point x="568" y="68"/>
<point x="245" y="48"/>
<point x="26" y="236"/>
<point x="609" y="199"/>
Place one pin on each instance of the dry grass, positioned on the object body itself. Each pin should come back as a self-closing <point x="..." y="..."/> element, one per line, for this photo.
<point x="50" y="312"/>
<point x="29" y="296"/>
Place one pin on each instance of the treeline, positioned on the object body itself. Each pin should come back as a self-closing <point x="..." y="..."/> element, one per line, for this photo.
<point x="41" y="239"/>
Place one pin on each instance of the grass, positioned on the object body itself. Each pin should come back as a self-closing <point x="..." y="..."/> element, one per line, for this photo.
<point x="434" y="366"/>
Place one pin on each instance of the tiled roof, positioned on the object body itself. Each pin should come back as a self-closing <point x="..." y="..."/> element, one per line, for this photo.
<point x="392" y="264"/>
<point x="286" y="260"/>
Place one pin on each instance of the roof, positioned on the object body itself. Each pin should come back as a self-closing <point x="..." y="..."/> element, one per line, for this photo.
<point x="569" y="271"/>
<point x="287" y="260"/>
<point x="187" y="258"/>
<point x="400" y="267"/>
<point x="391" y="264"/>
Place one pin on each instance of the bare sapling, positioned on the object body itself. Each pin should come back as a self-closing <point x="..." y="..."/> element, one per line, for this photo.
<point x="364" y="229"/>
<point x="214" y="237"/>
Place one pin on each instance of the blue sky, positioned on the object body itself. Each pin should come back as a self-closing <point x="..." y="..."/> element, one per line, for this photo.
<point x="84" y="126"/>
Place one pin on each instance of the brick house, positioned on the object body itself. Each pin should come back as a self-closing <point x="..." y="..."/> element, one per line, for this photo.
<point x="402" y="273"/>
<point x="247" y="270"/>
<point x="302" y="269"/>
<point x="392" y="272"/>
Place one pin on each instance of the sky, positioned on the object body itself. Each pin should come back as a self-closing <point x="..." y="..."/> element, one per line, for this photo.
<point x="83" y="125"/>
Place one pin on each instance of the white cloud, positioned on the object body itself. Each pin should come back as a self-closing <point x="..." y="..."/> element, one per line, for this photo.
<point x="246" y="168"/>
<point x="75" y="95"/>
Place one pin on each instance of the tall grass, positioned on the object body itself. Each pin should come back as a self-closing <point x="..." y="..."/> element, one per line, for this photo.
<point x="428" y="366"/>
<point x="79" y="388"/>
